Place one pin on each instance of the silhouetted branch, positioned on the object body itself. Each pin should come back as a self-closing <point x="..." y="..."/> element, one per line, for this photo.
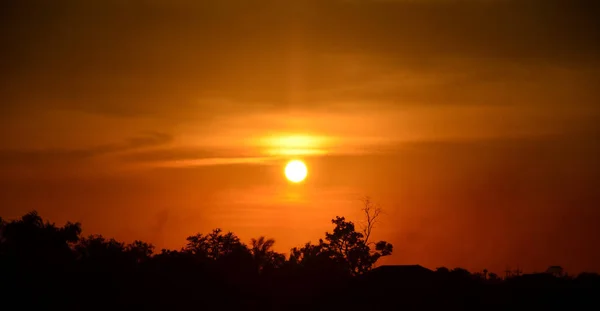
<point x="372" y="213"/>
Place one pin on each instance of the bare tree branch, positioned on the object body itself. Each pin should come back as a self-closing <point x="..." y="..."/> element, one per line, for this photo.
<point x="372" y="212"/>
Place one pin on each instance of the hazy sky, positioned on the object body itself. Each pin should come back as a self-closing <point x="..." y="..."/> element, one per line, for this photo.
<point x="475" y="124"/>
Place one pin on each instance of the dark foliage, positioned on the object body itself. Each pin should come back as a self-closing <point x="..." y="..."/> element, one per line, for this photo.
<point x="46" y="266"/>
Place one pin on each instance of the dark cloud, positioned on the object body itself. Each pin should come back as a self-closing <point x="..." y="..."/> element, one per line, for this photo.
<point x="11" y="158"/>
<point x="145" y="57"/>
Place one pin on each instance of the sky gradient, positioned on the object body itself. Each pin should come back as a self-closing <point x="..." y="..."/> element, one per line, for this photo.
<point x="474" y="123"/>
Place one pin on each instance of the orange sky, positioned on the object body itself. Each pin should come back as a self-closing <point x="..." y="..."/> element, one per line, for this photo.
<point x="473" y="123"/>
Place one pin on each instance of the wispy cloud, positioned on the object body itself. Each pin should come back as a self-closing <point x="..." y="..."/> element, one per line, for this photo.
<point x="213" y="161"/>
<point x="61" y="158"/>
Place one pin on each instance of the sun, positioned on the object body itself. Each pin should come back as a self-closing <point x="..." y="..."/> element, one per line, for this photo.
<point x="296" y="171"/>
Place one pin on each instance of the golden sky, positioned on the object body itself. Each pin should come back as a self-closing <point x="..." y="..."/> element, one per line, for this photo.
<point x="473" y="123"/>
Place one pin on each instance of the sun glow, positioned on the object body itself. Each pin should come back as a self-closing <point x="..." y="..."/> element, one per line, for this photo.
<point x="294" y="145"/>
<point x="296" y="171"/>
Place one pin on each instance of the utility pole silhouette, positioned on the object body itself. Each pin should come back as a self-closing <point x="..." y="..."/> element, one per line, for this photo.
<point x="518" y="271"/>
<point x="507" y="273"/>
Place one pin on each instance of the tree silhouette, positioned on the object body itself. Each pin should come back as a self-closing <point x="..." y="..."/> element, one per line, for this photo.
<point x="442" y="270"/>
<point x="371" y="212"/>
<point x="31" y="241"/>
<point x="460" y="274"/>
<point x="96" y="248"/>
<point x="263" y="254"/>
<point x="344" y="247"/>
<point x="313" y="257"/>
<point x="350" y="247"/>
<point x="140" y="251"/>
<point x="261" y="246"/>
<point x="214" y="245"/>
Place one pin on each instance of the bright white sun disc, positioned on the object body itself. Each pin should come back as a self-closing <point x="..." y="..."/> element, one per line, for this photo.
<point x="296" y="171"/>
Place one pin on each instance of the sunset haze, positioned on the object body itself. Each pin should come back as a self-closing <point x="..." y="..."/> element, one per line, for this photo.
<point x="474" y="124"/>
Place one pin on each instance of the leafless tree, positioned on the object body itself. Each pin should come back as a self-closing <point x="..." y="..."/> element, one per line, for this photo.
<point x="372" y="212"/>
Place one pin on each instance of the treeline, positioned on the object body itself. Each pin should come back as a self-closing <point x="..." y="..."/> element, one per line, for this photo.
<point x="50" y="264"/>
<point x="43" y="265"/>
